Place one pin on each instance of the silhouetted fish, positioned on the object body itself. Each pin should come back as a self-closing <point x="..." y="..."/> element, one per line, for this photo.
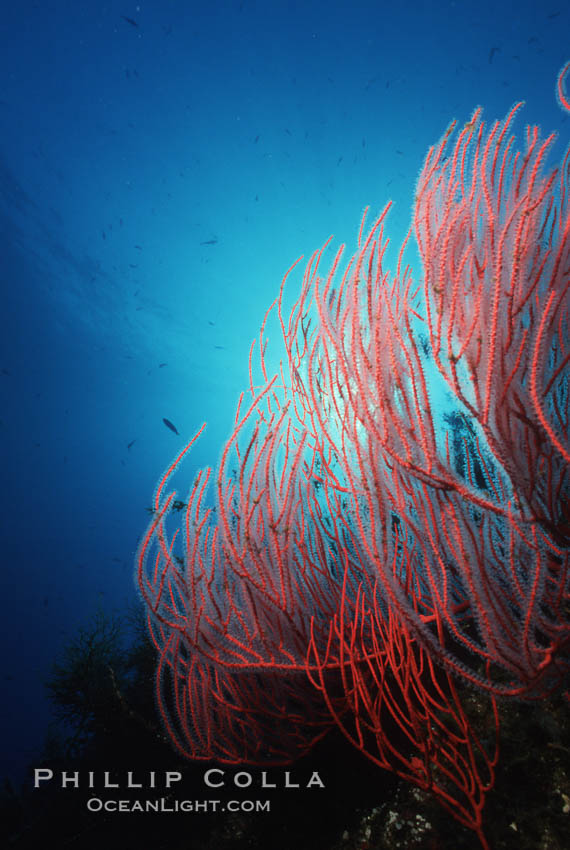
<point x="169" y="424"/>
<point x="131" y="444"/>
<point x="130" y="21"/>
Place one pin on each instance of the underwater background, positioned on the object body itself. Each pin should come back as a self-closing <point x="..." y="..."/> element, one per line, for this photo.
<point x="162" y="164"/>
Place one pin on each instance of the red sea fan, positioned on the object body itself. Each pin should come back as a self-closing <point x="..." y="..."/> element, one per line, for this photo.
<point x="372" y="543"/>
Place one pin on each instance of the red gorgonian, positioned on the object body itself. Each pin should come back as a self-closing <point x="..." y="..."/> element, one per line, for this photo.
<point x="391" y="514"/>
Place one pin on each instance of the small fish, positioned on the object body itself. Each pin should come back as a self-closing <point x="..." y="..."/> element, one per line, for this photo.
<point x="162" y="365"/>
<point x="131" y="444"/>
<point x="130" y="21"/>
<point x="169" y="424"/>
<point x="209" y="242"/>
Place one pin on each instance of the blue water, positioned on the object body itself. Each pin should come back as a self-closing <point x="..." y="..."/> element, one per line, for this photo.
<point x="161" y="166"/>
